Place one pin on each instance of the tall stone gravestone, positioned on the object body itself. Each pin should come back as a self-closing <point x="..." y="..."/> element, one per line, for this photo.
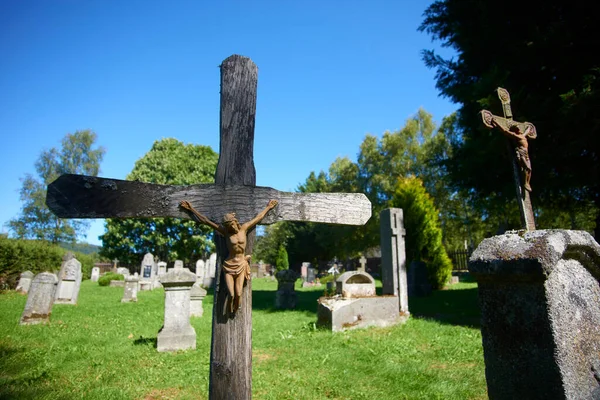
<point x="95" y="274"/>
<point x="540" y="314"/>
<point x="310" y="275"/>
<point x="304" y="271"/>
<point x="131" y="289"/>
<point x="418" y="281"/>
<point x="40" y="299"/>
<point x="24" y="282"/>
<point x="147" y="272"/>
<point x="69" y="282"/>
<point x="177" y="333"/>
<point x="209" y="278"/>
<point x="200" y="271"/>
<point x="286" y="297"/>
<point x="393" y="255"/>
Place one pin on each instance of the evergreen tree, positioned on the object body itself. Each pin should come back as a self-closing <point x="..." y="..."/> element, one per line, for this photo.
<point x="282" y="262"/>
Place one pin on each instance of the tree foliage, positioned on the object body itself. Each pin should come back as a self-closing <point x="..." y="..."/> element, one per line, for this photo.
<point x="77" y="155"/>
<point x="542" y="53"/>
<point x="169" y="161"/>
<point x="282" y="262"/>
<point x="423" y="230"/>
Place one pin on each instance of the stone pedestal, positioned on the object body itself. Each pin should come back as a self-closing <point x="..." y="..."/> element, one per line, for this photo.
<point x="24" y="282"/>
<point x="131" y="289"/>
<point x="286" y="297"/>
<point x="40" y="299"/>
<point x="393" y="256"/>
<point x="177" y="333"/>
<point x="69" y="282"/>
<point x="540" y="302"/>
<point x="196" y="296"/>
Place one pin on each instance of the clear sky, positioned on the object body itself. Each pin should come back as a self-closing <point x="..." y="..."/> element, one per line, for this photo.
<point x="137" y="71"/>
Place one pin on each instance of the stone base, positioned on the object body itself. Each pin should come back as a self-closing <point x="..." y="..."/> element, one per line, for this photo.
<point x="35" y="319"/>
<point x="117" y="284"/>
<point x="145" y="285"/>
<point x="184" y="339"/>
<point x="131" y="300"/>
<point x="340" y="314"/>
<point x="286" y="299"/>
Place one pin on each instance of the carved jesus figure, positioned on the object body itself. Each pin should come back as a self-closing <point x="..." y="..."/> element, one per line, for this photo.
<point x="521" y="150"/>
<point x="236" y="266"/>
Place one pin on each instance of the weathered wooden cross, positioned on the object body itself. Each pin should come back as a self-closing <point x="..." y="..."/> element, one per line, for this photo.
<point x="519" y="132"/>
<point x="77" y="196"/>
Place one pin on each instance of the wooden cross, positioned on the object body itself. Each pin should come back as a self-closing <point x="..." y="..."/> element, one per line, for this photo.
<point x="76" y="196"/>
<point x="519" y="132"/>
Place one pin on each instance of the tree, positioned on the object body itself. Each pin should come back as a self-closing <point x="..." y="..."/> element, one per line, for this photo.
<point x="172" y="162"/>
<point x="543" y="58"/>
<point x="77" y="155"/>
<point x="268" y="243"/>
<point x="423" y="231"/>
<point x="282" y="262"/>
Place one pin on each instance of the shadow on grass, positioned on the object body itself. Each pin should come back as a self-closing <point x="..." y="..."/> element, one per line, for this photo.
<point x="265" y="300"/>
<point x="20" y="375"/>
<point x="143" y="341"/>
<point x="455" y="307"/>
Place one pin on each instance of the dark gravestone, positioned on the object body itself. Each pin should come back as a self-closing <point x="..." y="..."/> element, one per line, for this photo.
<point x="310" y="277"/>
<point x="418" y="283"/>
<point x="540" y="324"/>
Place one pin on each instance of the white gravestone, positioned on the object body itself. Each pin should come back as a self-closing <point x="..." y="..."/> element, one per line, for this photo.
<point x="24" y="282"/>
<point x="363" y="264"/>
<point x="95" y="274"/>
<point x="209" y="278"/>
<point x="69" y="282"/>
<point x="147" y="267"/>
<point x="177" y="333"/>
<point x="200" y="271"/>
<point x="196" y="296"/>
<point x="131" y="289"/>
<point x="178" y="264"/>
<point x="40" y="299"/>
<point x="393" y="256"/>
<point x="162" y="268"/>
<point x="123" y="271"/>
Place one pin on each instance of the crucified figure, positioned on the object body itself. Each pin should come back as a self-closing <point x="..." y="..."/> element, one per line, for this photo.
<point x="236" y="266"/>
<point x="519" y="138"/>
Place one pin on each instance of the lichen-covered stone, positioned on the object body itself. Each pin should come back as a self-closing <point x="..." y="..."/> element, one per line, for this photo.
<point x="40" y="299"/>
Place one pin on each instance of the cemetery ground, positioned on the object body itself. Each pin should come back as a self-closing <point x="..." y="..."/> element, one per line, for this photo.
<point x="105" y="349"/>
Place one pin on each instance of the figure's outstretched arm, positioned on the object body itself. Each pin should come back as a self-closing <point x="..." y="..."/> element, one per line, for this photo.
<point x="507" y="132"/>
<point x="250" y="224"/>
<point x="199" y="217"/>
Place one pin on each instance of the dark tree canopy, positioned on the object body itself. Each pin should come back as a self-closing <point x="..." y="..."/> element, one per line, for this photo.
<point x="544" y="54"/>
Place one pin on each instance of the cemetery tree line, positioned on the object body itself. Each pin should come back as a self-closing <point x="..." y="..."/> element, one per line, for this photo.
<point x="171" y="162"/>
<point x="549" y="66"/>
<point x="78" y="154"/>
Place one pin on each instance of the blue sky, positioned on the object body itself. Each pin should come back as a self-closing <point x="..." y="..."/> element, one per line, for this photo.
<point x="137" y="71"/>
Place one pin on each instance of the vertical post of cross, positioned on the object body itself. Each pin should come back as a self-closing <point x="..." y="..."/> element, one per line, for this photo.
<point x="393" y="255"/>
<point x="231" y="348"/>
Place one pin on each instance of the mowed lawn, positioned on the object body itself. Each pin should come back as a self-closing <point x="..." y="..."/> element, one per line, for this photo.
<point x="104" y="349"/>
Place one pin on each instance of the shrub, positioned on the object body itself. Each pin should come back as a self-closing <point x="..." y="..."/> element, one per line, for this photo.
<point x="105" y="279"/>
<point x="282" y="261"/>
<point x="423" y="231"/>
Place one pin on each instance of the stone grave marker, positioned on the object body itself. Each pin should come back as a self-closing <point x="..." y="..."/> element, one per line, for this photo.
<point x="209" y="278"/>
<point x="393" y="255"/>
<point x="363" y="264"/>
<point x="177" y="333"/>
<point x="304" y="271"/>
<point x="75" y="196"/>
<point x="286" y="297"/>
<point x="123" y="271"/>
<point x="162" y="268"/>
<point x="197" y="295"/>
<point x="95" y="274"/>
<point x="418" y="283"/>
<point x="24" y="282"/>
<point x="178" y="264"/>
<point x="261" y="269"/>
<point x="69" y="282"/>
<point x="147" y="267"/>
<point x="539" y="295"/>
<point x="310" y="275"/>
<point x="40" y="299"/>
<point x="131" y="289"/>
<point x="200" y="271"/>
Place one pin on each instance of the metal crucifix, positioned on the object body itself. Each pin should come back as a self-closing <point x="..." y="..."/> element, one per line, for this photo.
<point x="518" y="134"/>
<point x="77" y="196"/>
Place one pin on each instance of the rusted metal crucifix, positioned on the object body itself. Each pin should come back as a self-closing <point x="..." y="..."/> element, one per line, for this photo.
<point x="77" y="196"/>
<point x="518" y="134"/>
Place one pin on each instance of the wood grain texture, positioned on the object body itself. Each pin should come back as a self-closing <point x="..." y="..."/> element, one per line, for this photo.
<point x="231" y="346"/>
<point x="81" y="196"/>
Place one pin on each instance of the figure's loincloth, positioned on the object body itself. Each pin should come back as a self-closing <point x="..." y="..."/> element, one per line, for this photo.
<point x="237" y="267"/>
<point x="523" y="157"/>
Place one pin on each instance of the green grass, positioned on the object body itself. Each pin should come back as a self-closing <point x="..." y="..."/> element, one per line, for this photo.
<point x="105" y="349"/>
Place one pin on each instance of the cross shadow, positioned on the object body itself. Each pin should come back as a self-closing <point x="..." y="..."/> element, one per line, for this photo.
<point x="454" y="307"/>
<point x="143" y="341"/>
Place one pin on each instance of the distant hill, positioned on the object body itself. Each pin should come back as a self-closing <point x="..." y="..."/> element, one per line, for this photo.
<point x="84" y="248"/>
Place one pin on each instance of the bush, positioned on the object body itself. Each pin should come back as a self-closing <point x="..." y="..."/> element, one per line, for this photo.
<point x="423" y="231"/>
<point x="282" y="262"/>
<point x="105" y="279"/>
<point x="19" y="255"/>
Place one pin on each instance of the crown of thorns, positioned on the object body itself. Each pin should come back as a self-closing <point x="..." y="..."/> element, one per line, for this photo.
<point x="229" y="217"/>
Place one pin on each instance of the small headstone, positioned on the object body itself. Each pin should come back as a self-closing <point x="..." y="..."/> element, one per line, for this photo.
<point x="131" y="289"/>
<point x="162" y="268"/>
<point x="95" y="274"/>
<point x="393" y="256"/>
<point x="24" y="282"/>
<point x="177" y="333"/>
<point x="261" y="269"/>
<point x="418" y="283"/>
<point x="178" y="264"/>
<point x="40" y="299"/>
<point x="69" y="282"/>
<point x="123" y="271"/>
<point x="200" y="271"/>
<point x="147" y="267"/>
<point x="286" y="297"/>
<point x="355" y="284"/>
<point x="197" y="294"/>
<point x="310" y="275"/>
<point x="209" y="278"/>
<point x="304" y="271"/>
